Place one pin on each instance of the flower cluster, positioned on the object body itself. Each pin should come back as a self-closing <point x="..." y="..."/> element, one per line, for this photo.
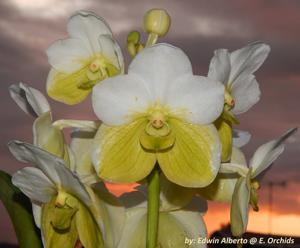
<point x="160" y="125"/>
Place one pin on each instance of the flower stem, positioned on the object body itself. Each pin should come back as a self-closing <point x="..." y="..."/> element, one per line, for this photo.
<point x="152" y="39"/>
<point x="153" y="208"/>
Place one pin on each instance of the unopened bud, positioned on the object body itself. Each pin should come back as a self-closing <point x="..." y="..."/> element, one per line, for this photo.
<point x="157" y="21"/>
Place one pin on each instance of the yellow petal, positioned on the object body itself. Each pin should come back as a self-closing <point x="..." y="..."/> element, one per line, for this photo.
<point x="89" y="233"/>
<point x="194" y="159"/>
<point x="66" y="87"/>
<point x="225" y="132"/>
<point x="118" y="154"/>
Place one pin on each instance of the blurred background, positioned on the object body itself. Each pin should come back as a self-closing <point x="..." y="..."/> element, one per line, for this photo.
<point x="28" y="27"/>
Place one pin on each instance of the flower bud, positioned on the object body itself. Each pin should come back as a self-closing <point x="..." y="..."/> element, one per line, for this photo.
<point x="157" y="21"/>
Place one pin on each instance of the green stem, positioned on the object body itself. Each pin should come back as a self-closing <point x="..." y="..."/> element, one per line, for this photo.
<point x="152" y="38"/>
<point x="153" y="208"/>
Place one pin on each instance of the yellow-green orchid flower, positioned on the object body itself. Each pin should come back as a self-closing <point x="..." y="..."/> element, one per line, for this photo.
<point x="176" y="227"/>
<point x="159" y="112"/>
<point x="70" y="211"/>
<point x="45" y="134"/>
<point x="235" y="70"/>
<point x="237" y="183"/>
<point x="90" y="55"/>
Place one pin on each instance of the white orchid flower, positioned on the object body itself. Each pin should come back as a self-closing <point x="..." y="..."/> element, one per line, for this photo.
<point x="235" y="70"/>
<point x="90" y="55"/>
<point x="176" y="226"/>
<point x="237" y="183"/>
<point x="70" y="212"/>
<point x="159" y="112"/>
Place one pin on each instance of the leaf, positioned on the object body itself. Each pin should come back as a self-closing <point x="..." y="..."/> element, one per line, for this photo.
<point x="19" y="209"/>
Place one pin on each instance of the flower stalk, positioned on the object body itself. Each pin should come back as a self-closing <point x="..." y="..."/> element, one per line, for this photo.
<point x="153" y="208"/>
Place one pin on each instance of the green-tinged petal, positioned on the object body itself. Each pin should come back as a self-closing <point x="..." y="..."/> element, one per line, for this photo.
<point x="89" y="233"/>
<point x="193" y="224"/>
<point x="19" y="209"/>
<point x="53" y="237"/>
<point x="173" y="229"/>
<point x="48" y="137"/>
<point x="194" y="159"/>
<point x="118" y="155"/>
<point x="238" y="157"/>
<point x="109" y="214"/>
<point x="80" y="124"/>
<point x="221" y="189"/>
<point x="174" y="196"/>
<point x="66" y="87"/>
<point x="81" y="145"/>
<point x="240" y="206"/>
<point x="225" y="132"/>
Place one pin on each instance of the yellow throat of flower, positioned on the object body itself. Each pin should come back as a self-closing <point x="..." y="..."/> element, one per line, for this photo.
<point x="99" y="68"/>
<point x="157" y="134"/>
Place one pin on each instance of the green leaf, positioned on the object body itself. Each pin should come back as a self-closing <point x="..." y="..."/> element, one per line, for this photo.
<point x="19" y="209"/>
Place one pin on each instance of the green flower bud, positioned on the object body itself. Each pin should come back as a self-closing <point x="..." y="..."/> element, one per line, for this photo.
<point x="157" y="21"/>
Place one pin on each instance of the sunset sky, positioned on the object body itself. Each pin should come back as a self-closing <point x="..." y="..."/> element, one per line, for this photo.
<point x="28" y="27"/>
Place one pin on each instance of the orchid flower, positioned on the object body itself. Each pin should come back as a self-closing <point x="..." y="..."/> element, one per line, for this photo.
<point x="45" y="134"/>
<point x="176" y="225"/>
<point x="235" y="70"/>
<point x="90" y="55"/>
<point x="70" y="212"/>
<point x="159" y="112"/>
<point x="237" y="183"/>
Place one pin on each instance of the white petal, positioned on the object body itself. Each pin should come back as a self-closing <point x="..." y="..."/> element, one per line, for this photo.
<point x="245" y="91"/>
<point x="240" y="138"/>
<point x="266" y="154"/>
<point x="200" y="99"/>
<point x="81" y="145"/>
<point x="30" y="100"/>
<point x="112" y="51"/>
<point x="116" y="99"/>
<point x="159" y="66"/>
<point x="134" y="228"/>
<point x="219" y="68"/>
<point x="193" y="224"/>
<point x="37" y="214"/>
<point x="109" y="213"/>
<point x="68" y="55"/>
<point x="238" y="157"/>
<point x="247" y="60"/>
<point x="52" y="166"/>
<point x="34" y="184"/>
<point x="87" y="26"/>
<point x="88" y="126"/>
<point x="242" y="170"/>
<point x="240" y="207"/>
